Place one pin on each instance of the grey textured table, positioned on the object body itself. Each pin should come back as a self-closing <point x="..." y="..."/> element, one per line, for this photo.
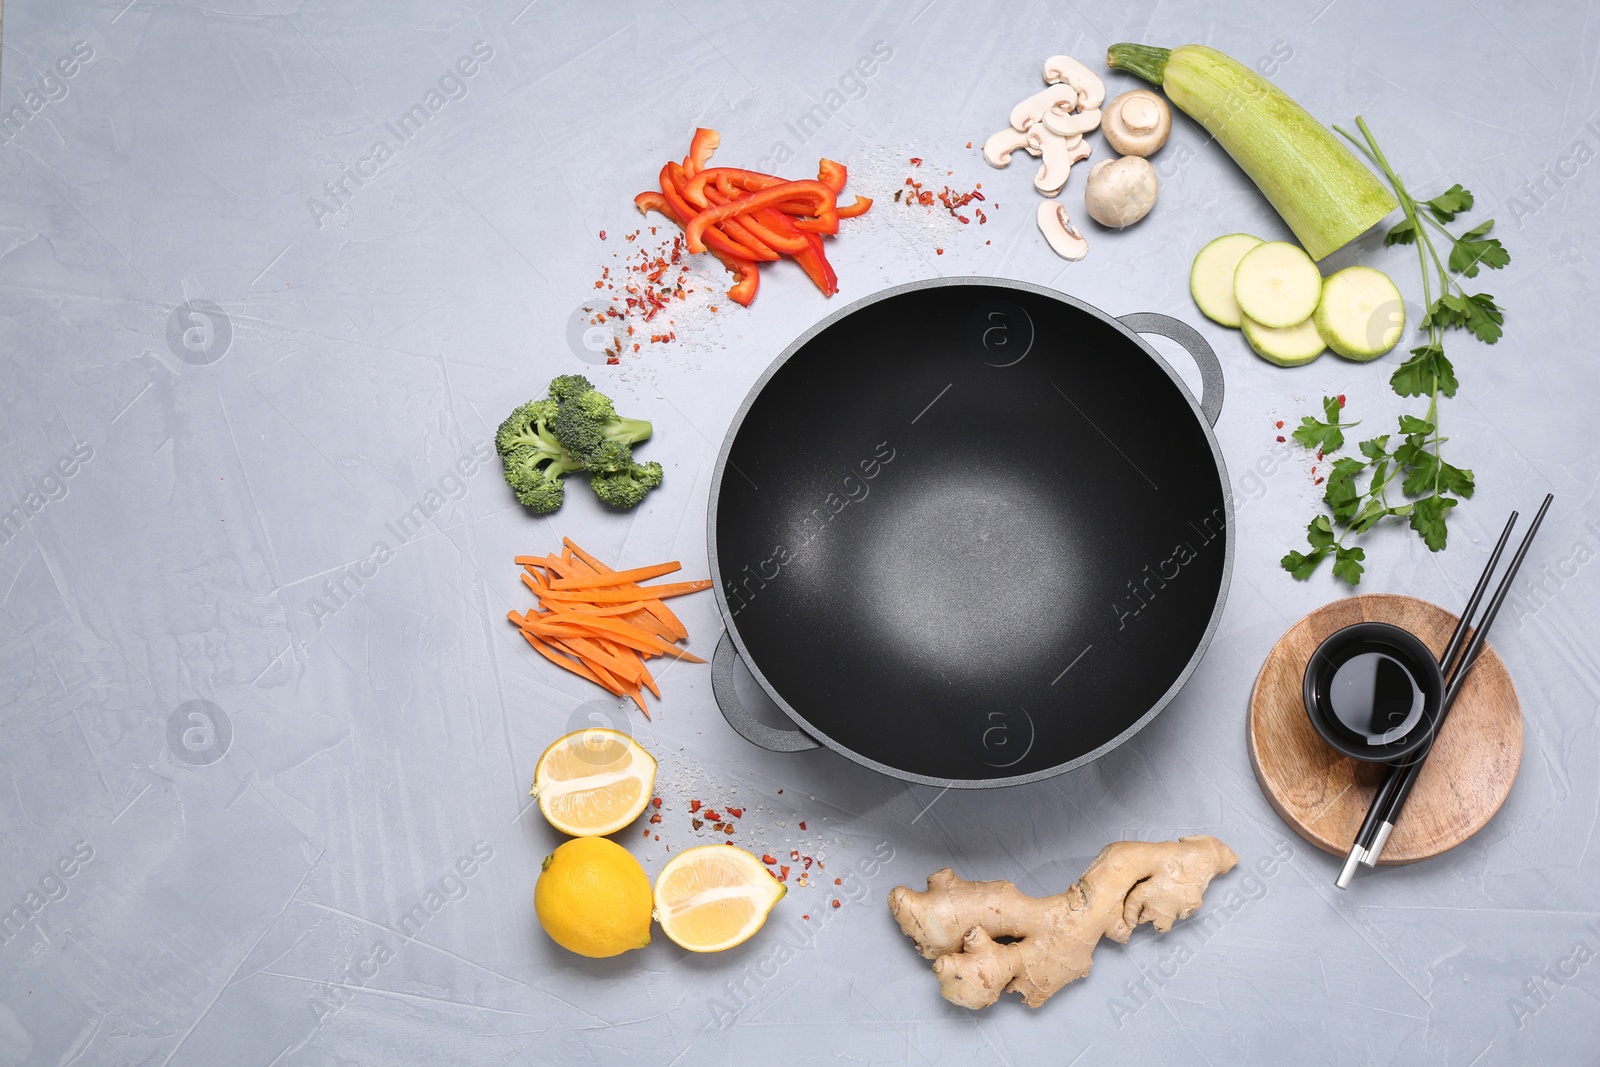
<point x="231" y="371"/>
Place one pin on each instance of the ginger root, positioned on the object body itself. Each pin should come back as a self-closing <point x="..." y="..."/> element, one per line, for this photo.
<point x="1050" y="940"/>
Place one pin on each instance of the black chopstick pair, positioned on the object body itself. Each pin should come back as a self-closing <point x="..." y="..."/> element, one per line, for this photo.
<point x="1402" y="776"/>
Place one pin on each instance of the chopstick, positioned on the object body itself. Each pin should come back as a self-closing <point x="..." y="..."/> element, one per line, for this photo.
<point x="1402" y="777"/>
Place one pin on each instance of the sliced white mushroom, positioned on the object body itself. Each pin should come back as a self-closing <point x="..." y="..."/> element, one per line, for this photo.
<point x="998" y="148"/>
<point x="1137" y="123"/>
<point x="1033" y="109"/>
<point x="1066" y="70"/>
<point x="1071" y="123"/>
<point x="1057" y="227"/>
<point x="1120" y="192"/>
<point x="1060" y="153"/>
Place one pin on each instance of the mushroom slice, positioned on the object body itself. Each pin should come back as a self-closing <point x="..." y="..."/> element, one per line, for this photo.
<point x="998" y="148"/>
<point x="1071" y="123"/>
<point x="1033" y="109"/>
<point x="1137" y="123"/>
<point x="1066" y="70"/>
<point x="1057" y="227"/>
<point x="1060" y="153"/>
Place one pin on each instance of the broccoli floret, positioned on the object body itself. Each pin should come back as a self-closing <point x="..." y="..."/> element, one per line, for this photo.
<point x="566" y="385"/>
<point x="625" y="488"/>
<point x="588" y="426"/>
<point x="526" y="427"/>
<point x="575" y="428"/>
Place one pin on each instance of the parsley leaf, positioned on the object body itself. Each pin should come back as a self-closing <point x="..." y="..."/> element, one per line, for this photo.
<point x="1403" y="232"/>
<point x="1417" y="375"/>
<point x="1377" y="448"/>
<point x="1450" y="203"/>
<point x="1347" y="564"/>
<point x="1409" y="425"/>
<point x="1302" y="564"/>
<point x="1329" y="435"/>
<point x="1428" y="519"/>
<point x="1472" y="248"/>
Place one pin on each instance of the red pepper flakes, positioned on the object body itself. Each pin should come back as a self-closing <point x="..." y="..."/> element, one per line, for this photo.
<point x="780" y="792"/>
<point x="807" y="918"/>
<point x="602" y="235"/>
<point x="727" y="828"/>
<point x="1341" y="400"/>
<point x="655" y="802"/>
<point x="802" y="826"/>
<point x="783" y="873"/>
<point x="647" y="833"/>
<point x="808" y="862"/>
<point x="717" y="826"/>
<point x="938" y="251"/>
<point x="838" y="881"/>
<point x="821" y="866"/>
<point x="1280" y="438"/>
<point x="1317" y="482"/>
<point x="768" y="859"/>
<point x="969" y="144"/>
<point x="1319" y="456"/>
<point x="697" y="823"/>
<point x="1280" y="424"/>
<point x="737" y="813"/>
<point x="915" y="162"/>
<point x="656" y="818"/>
<point x="794" y="853"/>
<point x="658" y="837"/>
<point x="694" y="805"/>
<point x="713" y="816"/>
<point x="836" y="902"/>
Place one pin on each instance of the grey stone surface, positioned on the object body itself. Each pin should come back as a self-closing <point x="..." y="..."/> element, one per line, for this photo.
<point x="225" y="384"/>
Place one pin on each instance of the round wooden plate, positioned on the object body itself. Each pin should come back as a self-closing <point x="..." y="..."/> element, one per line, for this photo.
<point x="1324" y="795"/>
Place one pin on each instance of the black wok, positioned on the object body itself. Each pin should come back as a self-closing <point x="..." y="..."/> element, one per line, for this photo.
<point x="970" y="532"/>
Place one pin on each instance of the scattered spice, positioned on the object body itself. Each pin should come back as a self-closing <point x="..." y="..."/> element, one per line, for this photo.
<point x="768" y="859"/>
<point x="694" y="805"/>
<point x="655" y="802"/>
<point x="1280" y="424"/>
<point x="836" y="902"/>
<point x="696" y="823"/>
<point x="737" y="813"/>
<point x="802" y="826"/>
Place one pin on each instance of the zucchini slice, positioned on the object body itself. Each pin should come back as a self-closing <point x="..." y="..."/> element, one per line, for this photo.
<point x="1211" y="277"/>
<point x="1277" y="284"/>
<point x="1287" y="346"/>
<point x="1361" y="315"/>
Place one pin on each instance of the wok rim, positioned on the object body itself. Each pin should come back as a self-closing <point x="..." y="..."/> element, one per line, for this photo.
<point x="823" y="738"/>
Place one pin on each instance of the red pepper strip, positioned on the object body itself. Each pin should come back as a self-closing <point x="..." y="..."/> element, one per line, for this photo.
<point x="823" y="205"/>
<point x="790" y="243"/>
<point x="832" y="174"/>
<point x="700" y="148"/>
<point x="652" y="200"/>
<point x="817" y="267"/>
<point x="749" y="180"/>
<point x="718" y="240"/>
<point x="734" y="229"/>
<point x="807" y="225"/>
<point x="747" y="275"/>
<point x="857" y="208"/>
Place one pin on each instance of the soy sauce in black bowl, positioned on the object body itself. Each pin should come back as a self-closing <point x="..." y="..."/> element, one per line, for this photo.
<point x="1373" y="691"/>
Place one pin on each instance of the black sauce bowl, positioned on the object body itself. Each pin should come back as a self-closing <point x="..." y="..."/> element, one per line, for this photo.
<point x="1404" y="648"/>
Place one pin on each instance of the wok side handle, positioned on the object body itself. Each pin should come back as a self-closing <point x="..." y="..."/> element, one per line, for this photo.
<point x="724" y="662"/>
<point x="1210" y="368"/>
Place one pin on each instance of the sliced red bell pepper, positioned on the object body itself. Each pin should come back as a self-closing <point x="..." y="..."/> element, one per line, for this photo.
<point x="857" y="208"/>
<point x="781" y="238"/>
<point x="747" y="277"/>
<point x="815" y="263"/>
<point x="748" y="180"/>
<point x="701" y="146"/>
<point x="722" y="242"/>
<point x="820" y="198"/>
<point x="832" y="174"/>
<point x="654" y="200"/>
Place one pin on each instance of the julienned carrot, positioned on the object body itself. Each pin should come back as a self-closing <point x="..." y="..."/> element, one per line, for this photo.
<point x="627" y="577"/>
<point x="600" y="623"/>
<point x="632" y="636"/>
<point x="624" y="596"/>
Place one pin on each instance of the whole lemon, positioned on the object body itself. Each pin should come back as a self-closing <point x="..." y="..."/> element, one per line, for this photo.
<point x="593" y="898"/>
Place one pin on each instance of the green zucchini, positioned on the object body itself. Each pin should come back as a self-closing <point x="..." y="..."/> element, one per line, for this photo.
<point x="1323" y="192"/>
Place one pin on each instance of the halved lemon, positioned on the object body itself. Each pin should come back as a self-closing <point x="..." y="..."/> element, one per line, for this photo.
<point x="714" y="897"/>
<point x="593" y="782"/>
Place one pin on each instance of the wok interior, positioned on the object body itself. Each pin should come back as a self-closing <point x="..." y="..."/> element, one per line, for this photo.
<point x="970" y="554"/>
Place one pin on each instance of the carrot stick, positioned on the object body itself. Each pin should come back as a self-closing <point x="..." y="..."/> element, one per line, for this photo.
<point x="589" y="649"/>
<point x="631" y="636"/>
<point x="575" y="666"/>
<point x="627" y="577"/>
<point x="625" y="596"/>
<point x="677" y="631"/>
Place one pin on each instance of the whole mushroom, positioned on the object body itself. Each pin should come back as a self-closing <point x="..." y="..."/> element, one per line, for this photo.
<point x="1120" y="192"/>
<point x="1137" y="123"/>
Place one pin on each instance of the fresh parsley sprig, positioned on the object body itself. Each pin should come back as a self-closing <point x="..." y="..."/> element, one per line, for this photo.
<point x="1430" y="487"/>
